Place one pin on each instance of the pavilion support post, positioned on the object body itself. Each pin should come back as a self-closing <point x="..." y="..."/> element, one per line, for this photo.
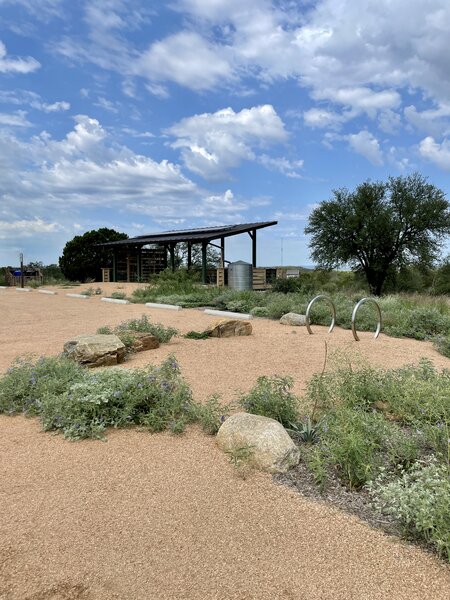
<point x="222" y="252"/>
<point x="204" y="271"/>
<point x="189" y="255"/>
<point x="253" y="236"/>
<point x="128" y="268"/>
<point x="114" y="266"/>
<point x="138" y="265"/>
<point x="172" y="256"/>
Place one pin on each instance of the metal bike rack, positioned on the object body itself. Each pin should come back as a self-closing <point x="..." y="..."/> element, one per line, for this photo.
<point x="355" y="310"/>
<point x="333" y="308"/>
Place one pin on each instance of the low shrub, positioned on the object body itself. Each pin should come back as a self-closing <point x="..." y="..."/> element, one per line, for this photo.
<point x="442" y="345"/>
<point x="271" y="397"/>
<point x="196" y="335"/>
<point x="286" y="286"/>
<point x="143" y="325"/>
<point x="259" y="311"/>
<point x="118" y="295"/>
<point x="420" y="501"/>
<point x="81" y="404"/>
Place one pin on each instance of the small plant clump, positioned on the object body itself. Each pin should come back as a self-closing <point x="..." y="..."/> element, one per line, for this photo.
<point x="196" y="335"/>
<point x="124" y="331"/>
<point x="271" y="397"/>
<point x="118" y="295"/>
<point x="70" y="398"/>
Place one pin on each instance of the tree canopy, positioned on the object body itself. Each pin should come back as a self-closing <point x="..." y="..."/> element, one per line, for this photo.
<point x="82" y="259"/>
<point x="380" y="226"/>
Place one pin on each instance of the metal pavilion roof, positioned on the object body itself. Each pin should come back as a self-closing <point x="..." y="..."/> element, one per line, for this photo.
<point x="192" y="235"/>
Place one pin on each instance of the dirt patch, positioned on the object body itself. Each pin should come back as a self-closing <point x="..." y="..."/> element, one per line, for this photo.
<point x="166" y="517"/>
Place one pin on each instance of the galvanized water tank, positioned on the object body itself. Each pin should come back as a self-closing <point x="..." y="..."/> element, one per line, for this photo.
<point x="240" y="275"/>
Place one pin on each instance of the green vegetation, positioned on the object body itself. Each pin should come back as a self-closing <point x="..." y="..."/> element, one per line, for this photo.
<point x="271" y="397"/>
<point x="380" y="227"/>
<point x="83" y="259"/>
<point x="196" y="335"/>
<point x="69" y="398"/>
<point x="124" y="330"/>
<point x="387" y="431"/>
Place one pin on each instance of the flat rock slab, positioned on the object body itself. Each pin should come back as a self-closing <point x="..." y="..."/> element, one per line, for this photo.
<point x="269" y="445"/>
<point x="293" y="319"/>
<point x="142" y="341"/>
<point x="97" y="350"/>
<point x="229" y="328"/>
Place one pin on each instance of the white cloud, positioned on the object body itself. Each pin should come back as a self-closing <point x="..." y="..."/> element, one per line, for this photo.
<point x="62" y="179"/>
<point x="17" y="119"/>
<point x="439" y="154"/>
<point x="367" y="145"/>
<point x="26" y="228"/>
<point x="187" y="59"/>
<point x="214" y="143"/>
<point x="322" y="118"/>
<point x="56" y="106"/>
<point x="286" y="167"/>
<point x="434" y="121"/>
<point x="16" y="65"/>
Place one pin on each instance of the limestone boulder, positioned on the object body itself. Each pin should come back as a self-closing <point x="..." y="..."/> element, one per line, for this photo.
<point x="143" y="341"/>
<point x="271" y="449"/>
<point x="293" y="319"/>
<point x="229" y="328"/>
<point x="97" y="350"/>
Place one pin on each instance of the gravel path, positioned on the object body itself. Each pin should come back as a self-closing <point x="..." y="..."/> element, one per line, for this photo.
<point x="159" y="517"/>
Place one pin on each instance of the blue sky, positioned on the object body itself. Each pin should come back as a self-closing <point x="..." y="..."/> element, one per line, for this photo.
<point x="151" y="116"/>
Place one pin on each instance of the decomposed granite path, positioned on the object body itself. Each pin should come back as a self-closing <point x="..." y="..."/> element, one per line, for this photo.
<point x="162" y="517"/>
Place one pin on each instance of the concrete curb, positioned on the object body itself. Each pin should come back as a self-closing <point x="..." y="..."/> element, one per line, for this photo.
<point x="24" y="290"/>
<point x="77" y="296"/>
<point x="49" y="292"/>
<point x="165" y="306"/>
<point x="116" y="300"/>
<point x="224" y="313"/>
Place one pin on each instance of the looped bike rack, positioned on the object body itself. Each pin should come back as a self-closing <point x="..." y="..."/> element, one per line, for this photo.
<point x="333" y="308"/>
<point x="355" y="310"/>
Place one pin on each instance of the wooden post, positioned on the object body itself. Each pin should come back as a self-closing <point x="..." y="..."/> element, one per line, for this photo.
<point x="254" y="248"/>
<point x="138" y="265"/>
<point x="21" y="271"/>
<point x="189" y="255"/>
<point x="222" y="252"/>
<point x="204" y="272"/>
<point x="128" y="267"/>
<point x="114" y="267"/>
<point x="172" y="256"/>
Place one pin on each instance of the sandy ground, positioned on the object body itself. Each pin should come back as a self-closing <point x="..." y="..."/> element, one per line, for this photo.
<point x="164" y="517"/>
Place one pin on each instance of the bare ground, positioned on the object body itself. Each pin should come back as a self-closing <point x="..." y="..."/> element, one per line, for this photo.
<point x="162" y="517"/>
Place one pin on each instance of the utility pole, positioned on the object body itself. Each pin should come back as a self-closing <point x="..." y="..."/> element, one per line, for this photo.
<point x="21" y="270"/>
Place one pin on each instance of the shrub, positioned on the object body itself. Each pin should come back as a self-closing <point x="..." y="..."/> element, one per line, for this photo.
<point x="81" y="404"/>
<point x="420" y="501"/>
<point x="196" y="335"/>
<point x="143" y="325"/>
<point x="271" y="397"/>
<point x="260" y="311"/>
<point x="286" y="286"/>
<point x="210" y="415"/>
<point x="442" y="345"/>
<point x="118" y="295"/>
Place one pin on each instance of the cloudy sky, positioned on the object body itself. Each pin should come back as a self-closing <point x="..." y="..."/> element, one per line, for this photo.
<point x="150" y="116"/>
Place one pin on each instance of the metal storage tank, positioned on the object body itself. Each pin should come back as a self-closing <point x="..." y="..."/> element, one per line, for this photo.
<point x="240" y="275"/>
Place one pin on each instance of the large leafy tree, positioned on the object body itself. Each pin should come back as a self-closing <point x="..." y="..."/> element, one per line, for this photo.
<point x="380" y="226"/>
<point x="181" y="256"/>
<point x="83" y="259"/>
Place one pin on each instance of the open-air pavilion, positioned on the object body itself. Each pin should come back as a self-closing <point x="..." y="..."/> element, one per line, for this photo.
<point x="135" y="259"/>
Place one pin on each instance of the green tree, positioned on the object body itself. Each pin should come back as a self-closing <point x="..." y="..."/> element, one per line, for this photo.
<point x="379" y="227"/>
<point x="83" y="259"/>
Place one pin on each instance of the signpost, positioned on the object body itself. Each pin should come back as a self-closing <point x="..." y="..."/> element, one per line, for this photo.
<point x="21" y="270"/>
